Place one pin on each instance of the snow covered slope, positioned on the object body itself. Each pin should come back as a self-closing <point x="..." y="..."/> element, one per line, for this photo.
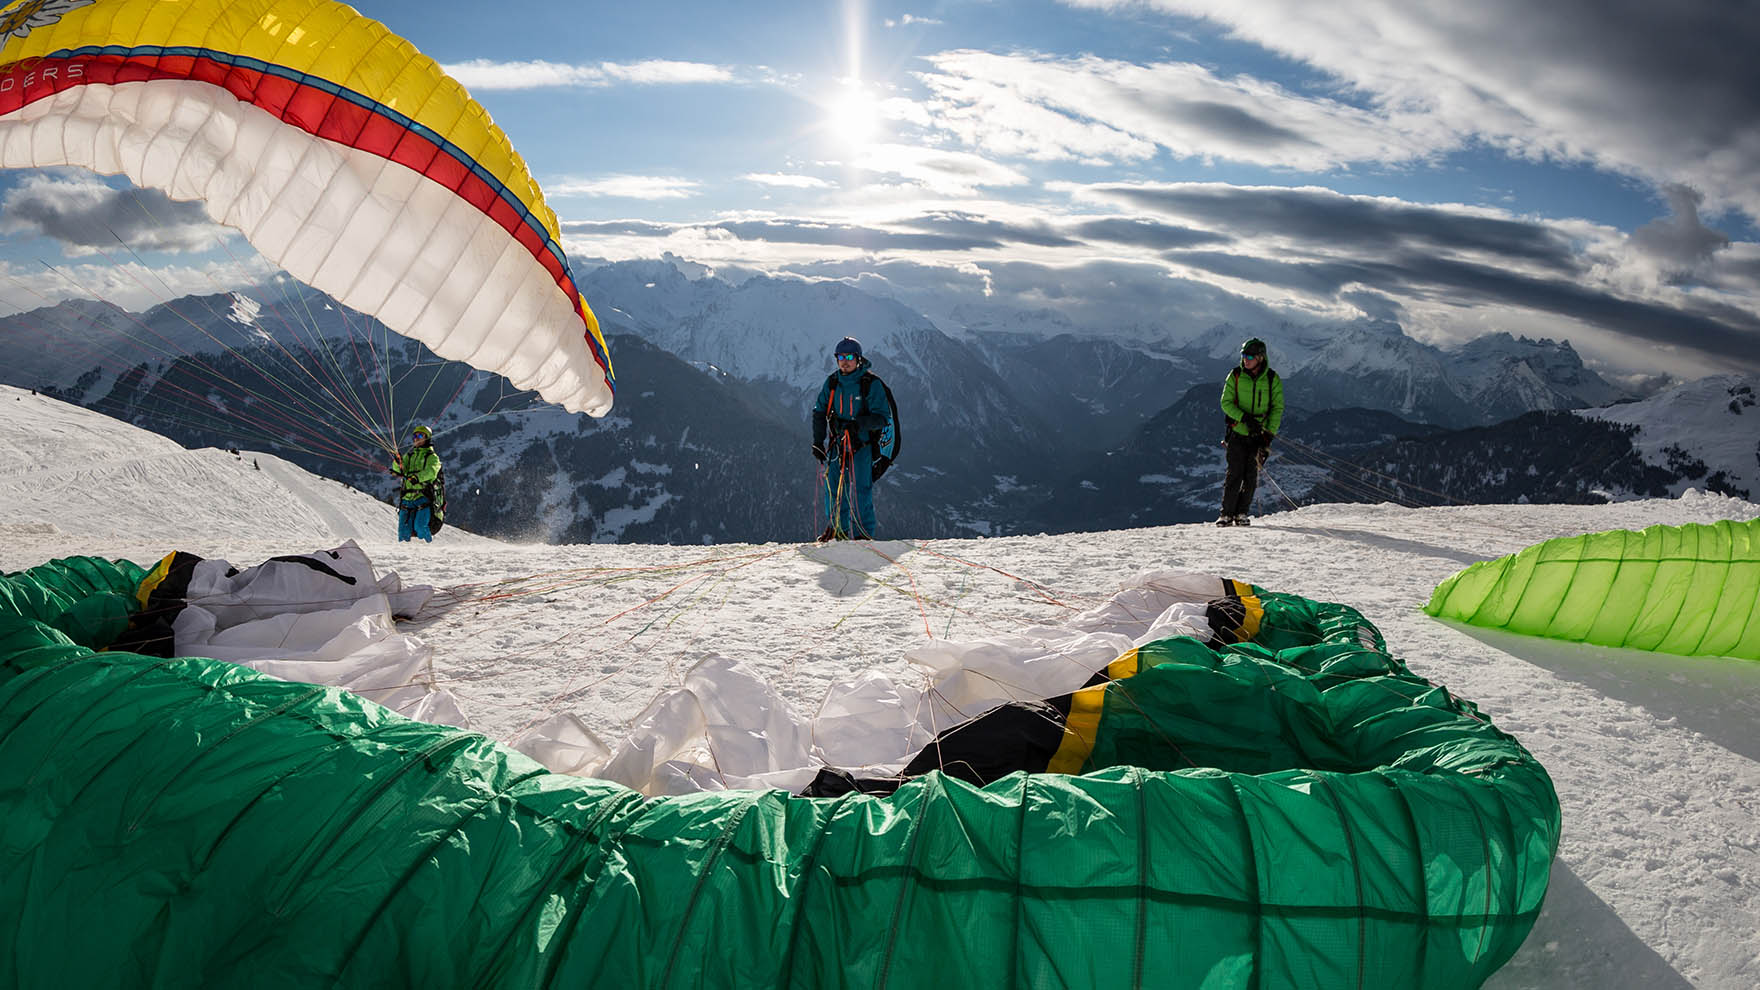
<point x="69" y="473"/>
<point x="1714" y="421"/>
<point x="1654" y="757"/>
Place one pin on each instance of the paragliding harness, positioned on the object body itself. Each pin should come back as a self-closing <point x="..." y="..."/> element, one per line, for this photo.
<point x="436" y="492"/>
<point x="884" y="455"/>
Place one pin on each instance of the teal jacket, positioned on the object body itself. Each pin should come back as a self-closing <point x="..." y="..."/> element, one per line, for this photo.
<point x="418" y="469"/>
<point x="1260" y="396"/>
<point x="840" y="405"/>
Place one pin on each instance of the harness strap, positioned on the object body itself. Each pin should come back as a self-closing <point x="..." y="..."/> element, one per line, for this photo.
<point x="864" y="383"/>
<point x="1234" y="380"/>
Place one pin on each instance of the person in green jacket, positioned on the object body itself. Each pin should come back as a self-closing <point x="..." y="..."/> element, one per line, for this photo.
<point x="415" y="500"/>
<point x="1252" y="399"/>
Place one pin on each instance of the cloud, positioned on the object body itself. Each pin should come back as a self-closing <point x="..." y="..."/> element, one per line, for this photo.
<point x="605" y="228"/>
<point x="483" y="74"/>
<point x="1163" y="261"/>
<point x="947" y="172"/>
<point x="1735" y="270"/>
<point x="129" y="284"/>
<point x="992" y="231"/>
<point x="984" y="101"/>
<point x="625" y="187"/>
<point x="1668" y="92"/>
<point x="1680" y="243"/>
<point x="1458" y="284"/>
<point x="662" y="71"/>
<point x="908" y="20"/>
<point x="849" y="235"/>
<point x="1353" y="223"/>
<point x="1142" y="299"/>
<point x="1147" y="233"/>
<point x="939" y="230"/>
<point x="1441" y="264"/>
<point x="86" y="216"/>
<point x="1137" y="300"/>
<point x="1375" y="305"/>
<point x="786" y="230"/>
<point x="1099" y="110"/>
<point x="786" y="181"/>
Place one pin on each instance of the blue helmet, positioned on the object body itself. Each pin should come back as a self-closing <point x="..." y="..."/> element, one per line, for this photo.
<point x="848" y="345"/>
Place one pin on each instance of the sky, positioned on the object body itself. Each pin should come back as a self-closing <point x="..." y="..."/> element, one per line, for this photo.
<point x="1585" y="170"/>
<point x="1653" y="756"/>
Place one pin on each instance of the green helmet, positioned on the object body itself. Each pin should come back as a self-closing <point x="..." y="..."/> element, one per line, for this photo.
<point x="422" y="431"/>
<point x="1254" y="347"/>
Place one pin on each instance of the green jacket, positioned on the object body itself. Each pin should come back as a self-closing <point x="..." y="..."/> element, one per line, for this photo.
<point x="1260" y="395"/>
<point x="418" y="468"/>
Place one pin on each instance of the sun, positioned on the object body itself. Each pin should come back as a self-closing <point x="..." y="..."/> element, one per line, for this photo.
<point x="853" y="117"/>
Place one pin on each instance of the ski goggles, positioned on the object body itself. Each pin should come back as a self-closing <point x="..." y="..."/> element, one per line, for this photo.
<point x="848" y="357"/>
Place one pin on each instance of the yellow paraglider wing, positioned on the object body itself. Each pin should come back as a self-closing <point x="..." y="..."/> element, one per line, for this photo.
<point x="342" y="153"/>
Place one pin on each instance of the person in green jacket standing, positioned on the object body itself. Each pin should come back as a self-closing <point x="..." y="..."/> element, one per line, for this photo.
<point x="415" y="500"/>
<point x="1252" y="399"/>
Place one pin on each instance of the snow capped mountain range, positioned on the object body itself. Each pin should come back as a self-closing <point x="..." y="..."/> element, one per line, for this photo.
<point x="1506" y="376"/>
<point x="1003" y="430"/>
<point x="762" y="329"/>
<point x="1375" y="365"/>
<point x="767" y="328"/>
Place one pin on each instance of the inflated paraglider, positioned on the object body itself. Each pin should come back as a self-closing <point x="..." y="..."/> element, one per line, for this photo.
<point x="342" y="153"/>
<point x="1692" y="590"/>
<point x="1269" y="800"/>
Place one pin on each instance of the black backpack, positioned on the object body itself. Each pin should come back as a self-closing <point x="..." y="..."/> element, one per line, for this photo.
<point x="885" y="450"/>
<point x="436" y="492"/>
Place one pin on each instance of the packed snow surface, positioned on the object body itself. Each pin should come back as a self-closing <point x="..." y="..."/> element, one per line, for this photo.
<point x="1656" y="758"/>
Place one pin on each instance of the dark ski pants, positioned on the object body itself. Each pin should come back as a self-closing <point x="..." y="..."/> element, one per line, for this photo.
<point x="1243" y="474"/>
<point x="412" y="520"/>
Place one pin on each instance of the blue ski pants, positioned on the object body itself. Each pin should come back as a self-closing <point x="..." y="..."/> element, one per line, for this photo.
<point x="848" y="498"/>
<point x="412" y="520"/>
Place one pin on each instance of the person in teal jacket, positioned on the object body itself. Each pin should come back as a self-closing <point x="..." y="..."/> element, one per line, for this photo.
<point x="850" y="417"/>
<point x="415" y="499"/>
<point x="1252" y="400"/>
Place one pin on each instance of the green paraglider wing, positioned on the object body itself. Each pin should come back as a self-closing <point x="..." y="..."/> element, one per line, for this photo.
<point x="1299" y="811"/>
<point x="84" y="599"/>
<point x="1692" y="590"/>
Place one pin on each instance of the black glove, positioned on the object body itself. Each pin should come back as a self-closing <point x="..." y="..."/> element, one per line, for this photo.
<point x="819" y="452"/>
<point x="1251" y="422"/>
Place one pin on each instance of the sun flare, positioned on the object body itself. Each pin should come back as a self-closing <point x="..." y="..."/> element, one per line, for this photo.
<point x="853" y="117"/>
